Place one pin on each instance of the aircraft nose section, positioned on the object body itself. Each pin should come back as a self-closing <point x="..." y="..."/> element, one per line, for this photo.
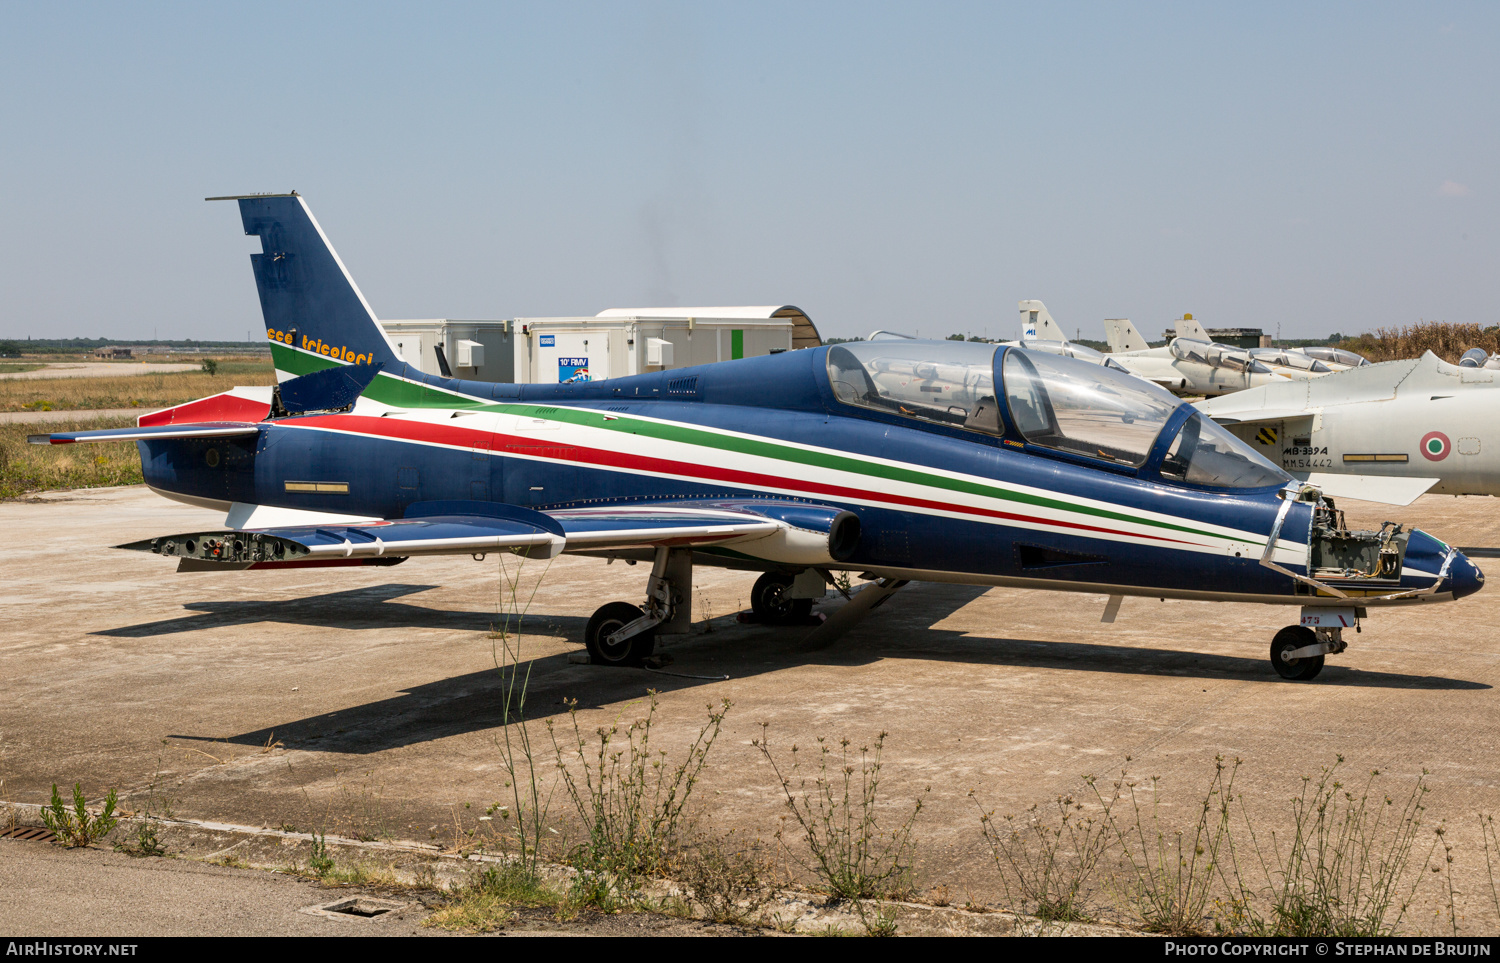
<point x="1465" y="576"/>
<point x="1427" y="553"/>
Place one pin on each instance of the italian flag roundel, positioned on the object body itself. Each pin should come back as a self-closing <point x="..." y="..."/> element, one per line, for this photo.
<point x="1435" y="446"/>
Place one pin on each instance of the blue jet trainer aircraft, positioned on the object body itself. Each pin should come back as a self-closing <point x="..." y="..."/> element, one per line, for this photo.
<point x="899" y="459"/>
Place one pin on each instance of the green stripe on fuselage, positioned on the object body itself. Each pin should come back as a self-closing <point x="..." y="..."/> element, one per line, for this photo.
<point x="821" y="459"/>
<point x="398" y="392"/>
<point x="388" y="389"/>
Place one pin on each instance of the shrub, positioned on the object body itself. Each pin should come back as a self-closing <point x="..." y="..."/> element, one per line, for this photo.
<point x="630" y="799"/>
<point x="851" y="855"/>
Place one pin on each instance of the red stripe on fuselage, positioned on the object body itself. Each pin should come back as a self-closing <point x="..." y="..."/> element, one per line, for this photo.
<point x="498" y="444"/>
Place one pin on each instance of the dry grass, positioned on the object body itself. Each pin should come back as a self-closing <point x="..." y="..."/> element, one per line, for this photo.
<point x="29" y="468"/>
<point x="125" y="390"/>
<point x="1446" y="339"/>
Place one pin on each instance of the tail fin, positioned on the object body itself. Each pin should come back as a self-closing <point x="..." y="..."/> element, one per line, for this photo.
<point x="1122" y="336"/>
<point x="1188" y="328"/>
<point x="315" y="315"/>
<point x="1037" y="324"/>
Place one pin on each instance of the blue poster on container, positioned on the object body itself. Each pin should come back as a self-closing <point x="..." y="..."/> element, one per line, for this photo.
<point x="549" y="340"/>
<point x="572" y="370"/>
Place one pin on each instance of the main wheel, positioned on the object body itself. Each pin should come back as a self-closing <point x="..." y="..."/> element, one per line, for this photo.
<point x="608" y="620"/>
<point x="1295" y="637"/>
<point x="771" y="600"/>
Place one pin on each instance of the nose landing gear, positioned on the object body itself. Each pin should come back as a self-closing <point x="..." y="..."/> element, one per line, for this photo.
<point x="1297" y="651"/>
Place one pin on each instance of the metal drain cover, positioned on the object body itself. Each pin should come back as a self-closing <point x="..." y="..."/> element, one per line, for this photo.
<point x="29" y="832"/>
<point x="357" y="907"/>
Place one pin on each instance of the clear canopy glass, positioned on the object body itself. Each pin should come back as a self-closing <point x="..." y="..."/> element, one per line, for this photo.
<point x="1335" y="356"/>
<point x="951" y="382"/>
<point x="1068" y="404"/>
<point x="1289" y="359"/>
<point x="1215" y="355"/>
<point x="1084" y="408"/>
<point x="1205" y="454"/>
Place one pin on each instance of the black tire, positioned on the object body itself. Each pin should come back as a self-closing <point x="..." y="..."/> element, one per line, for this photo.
<point x="1298" y="670"/>
<point x="608" y="620"/>
<point x="772" y="602"/>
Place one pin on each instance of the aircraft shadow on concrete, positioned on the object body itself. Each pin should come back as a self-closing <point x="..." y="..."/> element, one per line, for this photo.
<point x="372" y="607"/>
<point x="474" y="702"/>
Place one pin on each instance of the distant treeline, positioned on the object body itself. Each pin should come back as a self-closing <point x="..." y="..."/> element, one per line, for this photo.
<point x="1446" y="339"/>
<point x="15" y="346"/>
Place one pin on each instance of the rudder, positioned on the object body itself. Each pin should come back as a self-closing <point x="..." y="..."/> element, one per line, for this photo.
<point x="1123" y="337"/>
<point x="314" y="313"/>
<point x="1037" y="324"/>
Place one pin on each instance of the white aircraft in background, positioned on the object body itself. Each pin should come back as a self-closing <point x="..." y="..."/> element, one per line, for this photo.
<point x="1287" y="362"/>
<point x="1040" y="333"/>
<point x="1385" y="432"/>
<point x="1189" y="365"/>
<point x="1298" y="364"/>
<point x="1337" y="359"/>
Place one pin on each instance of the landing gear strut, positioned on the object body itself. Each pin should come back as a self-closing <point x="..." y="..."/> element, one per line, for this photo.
<point x="622" y="634"/>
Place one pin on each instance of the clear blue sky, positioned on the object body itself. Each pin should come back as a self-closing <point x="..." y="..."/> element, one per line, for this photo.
<point x="917" y="166"/>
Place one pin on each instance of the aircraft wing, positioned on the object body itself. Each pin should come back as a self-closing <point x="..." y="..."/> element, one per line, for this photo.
<point x="205" y="430"/>
<point x="1253" y="415"/>
<point x="1387" y="489"/>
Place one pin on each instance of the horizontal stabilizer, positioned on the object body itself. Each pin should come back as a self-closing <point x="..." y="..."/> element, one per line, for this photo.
<point x="1370" y="488"/>
<point x="237" y="405"/>
<point x="209" y="430"/>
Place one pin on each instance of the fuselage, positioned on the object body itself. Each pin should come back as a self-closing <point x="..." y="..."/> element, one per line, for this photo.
<point x="1418" y="418"/>
<point x="935" y="501"/>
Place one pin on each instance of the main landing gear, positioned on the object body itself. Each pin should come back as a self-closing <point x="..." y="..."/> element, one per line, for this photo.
<point x="622" y="634"/>
<point x="1297" y="651"/>
<point x="772" y="602"/>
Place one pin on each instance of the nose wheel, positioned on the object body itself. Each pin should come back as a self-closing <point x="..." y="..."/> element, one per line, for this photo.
<point x="1284" y="657"/>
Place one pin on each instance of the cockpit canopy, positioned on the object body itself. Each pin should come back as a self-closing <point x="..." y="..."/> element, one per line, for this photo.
<point x="1065" y="404"/>
<point x="1333" y="355"/>
<point x="1290" y="359"/>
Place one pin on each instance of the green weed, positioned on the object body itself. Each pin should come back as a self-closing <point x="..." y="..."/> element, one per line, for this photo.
<point x="78" y="827"/>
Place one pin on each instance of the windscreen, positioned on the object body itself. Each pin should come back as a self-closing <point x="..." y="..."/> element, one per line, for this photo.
<point x="1082" y="408"/>
<point x="1205" y="454"/>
